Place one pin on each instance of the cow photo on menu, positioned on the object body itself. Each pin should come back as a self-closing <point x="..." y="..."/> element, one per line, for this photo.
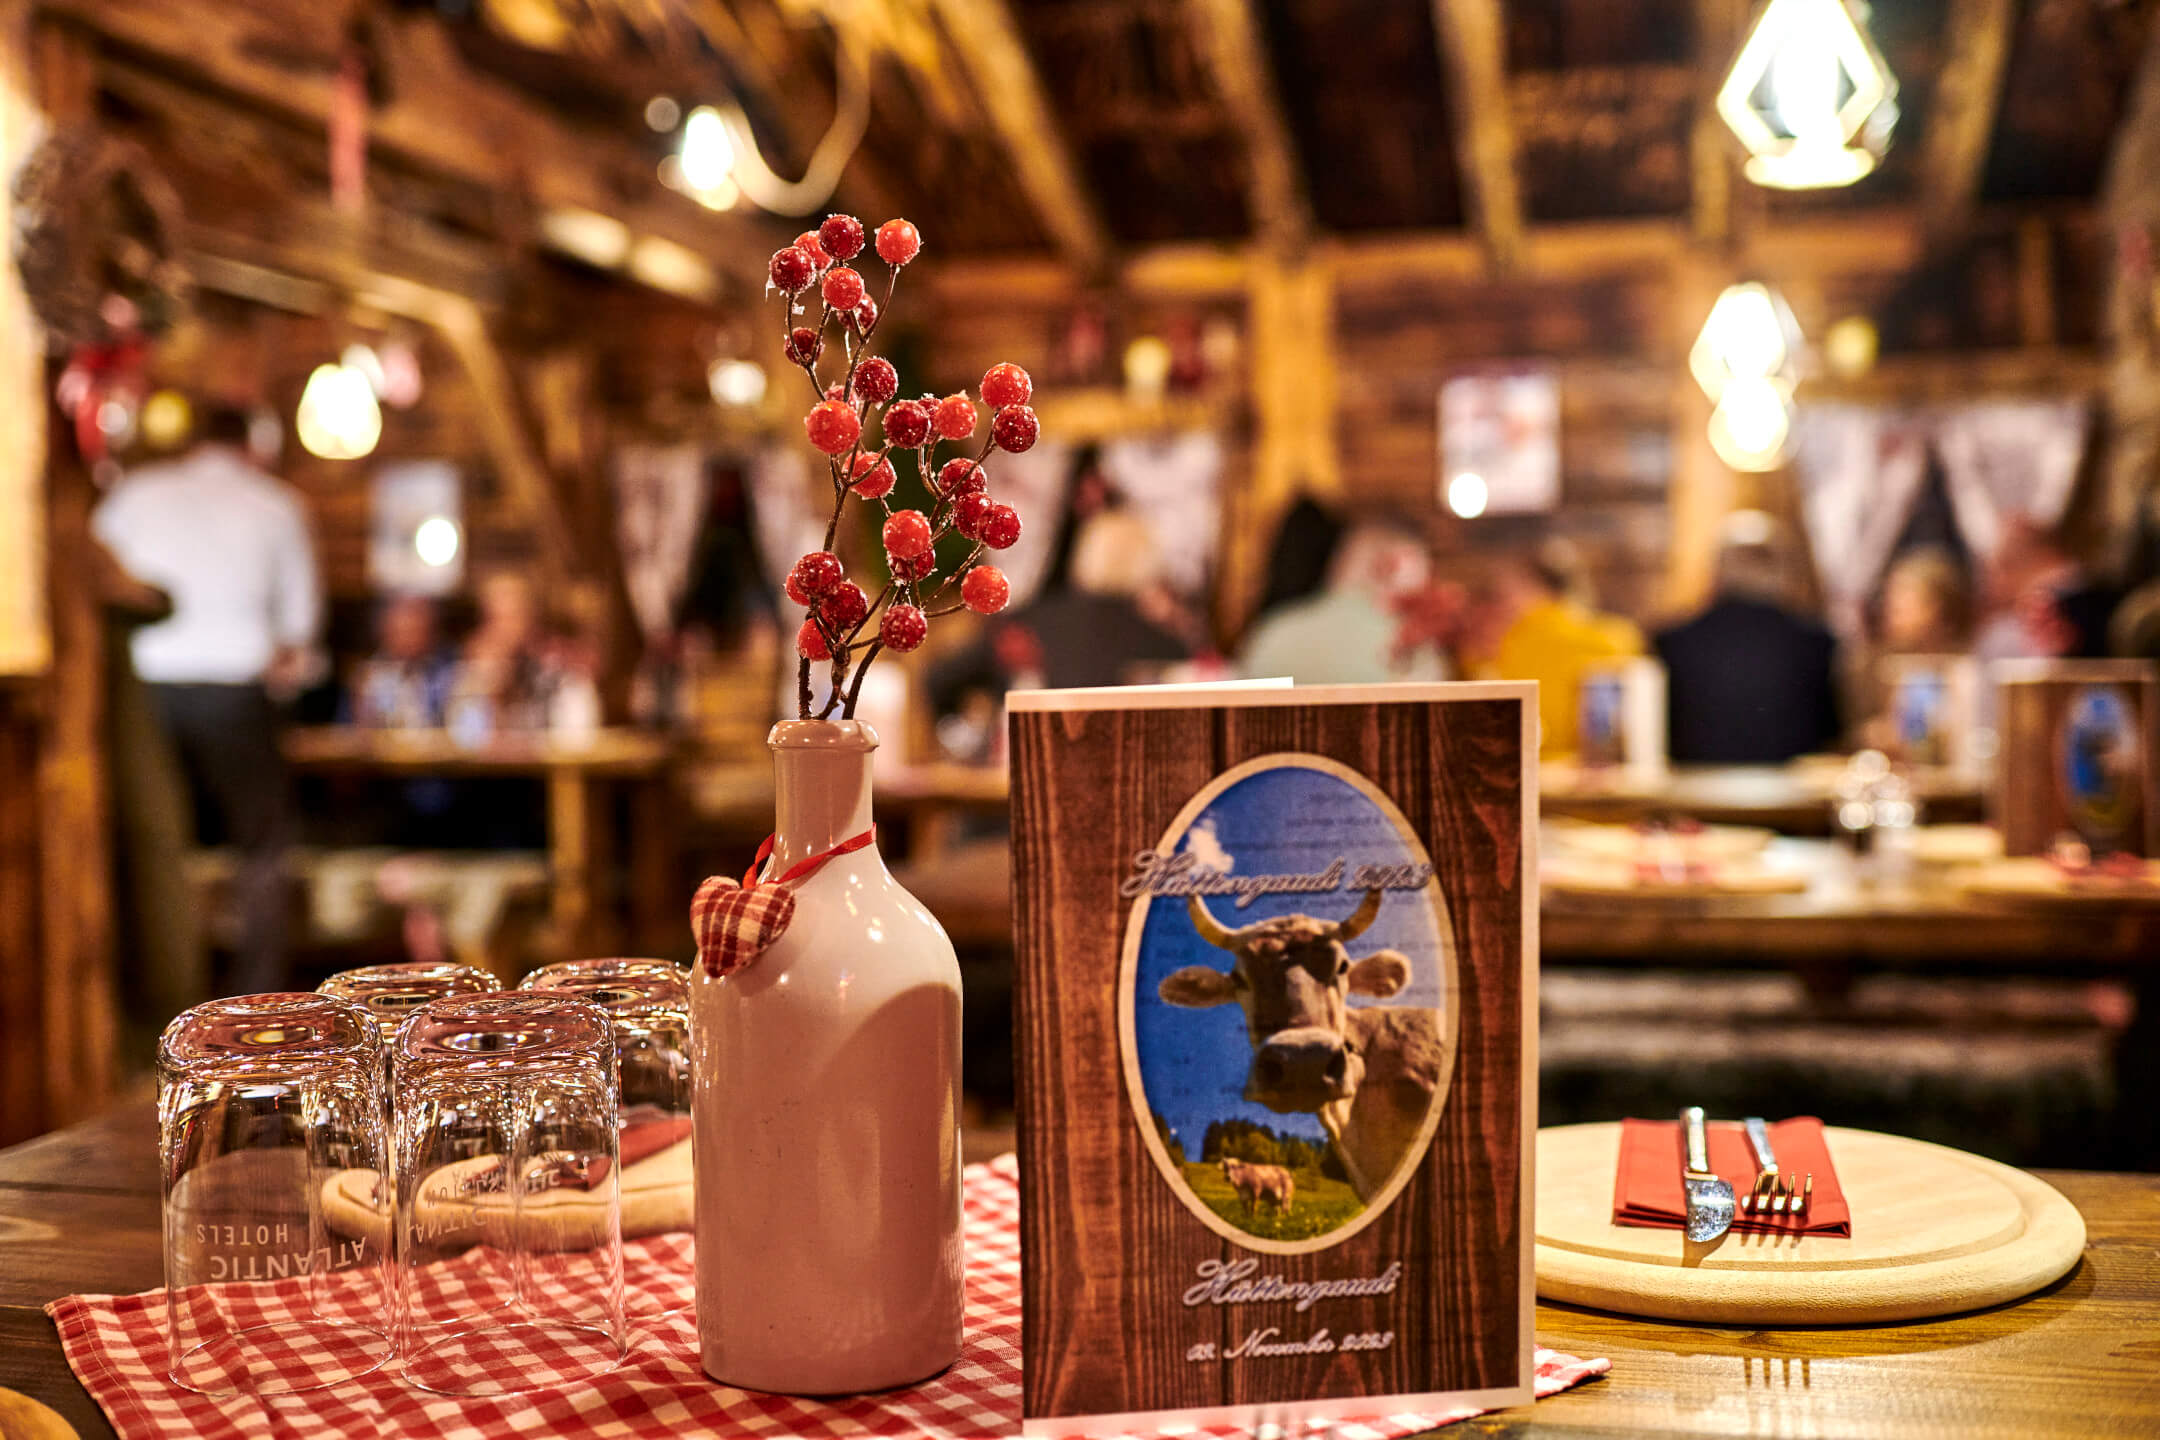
<point x="1276" y="1007"/>
<point x="1288" y="1040"/>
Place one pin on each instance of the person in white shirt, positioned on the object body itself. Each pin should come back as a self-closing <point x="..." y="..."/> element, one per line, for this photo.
<point x="230" y="545"/>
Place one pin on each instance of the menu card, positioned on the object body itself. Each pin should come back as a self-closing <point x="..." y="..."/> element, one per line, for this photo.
<point x="1277" y="1043"/>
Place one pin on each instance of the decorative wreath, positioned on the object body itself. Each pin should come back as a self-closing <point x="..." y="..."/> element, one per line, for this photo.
<point x="97" y="239"/>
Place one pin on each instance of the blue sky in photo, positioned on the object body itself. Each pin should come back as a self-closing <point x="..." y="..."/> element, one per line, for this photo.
<point x="1291" y="820"/>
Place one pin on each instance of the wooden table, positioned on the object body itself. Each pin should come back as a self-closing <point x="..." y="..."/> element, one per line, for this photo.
<point x="79" y="1212"/>
<point x="930" y="798"/>
<point x="580" y="828"/>
<point x="1793" y="799"/>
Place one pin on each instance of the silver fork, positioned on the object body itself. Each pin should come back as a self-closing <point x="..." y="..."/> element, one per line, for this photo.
<point x="1774" y="1192"/>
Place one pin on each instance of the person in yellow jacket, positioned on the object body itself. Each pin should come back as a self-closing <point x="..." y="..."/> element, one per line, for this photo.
<point x="1553" y="636"/>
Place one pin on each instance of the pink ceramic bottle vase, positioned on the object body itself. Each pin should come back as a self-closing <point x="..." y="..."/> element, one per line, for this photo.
<point x="826" y="1118"/>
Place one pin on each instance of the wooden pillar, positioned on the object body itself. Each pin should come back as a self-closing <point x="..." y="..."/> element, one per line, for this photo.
<point x="2131" y="202"/>
<point x="1292" y="322"/>
<point x="76" y="1014"/>
<point x="1702" y="489"/>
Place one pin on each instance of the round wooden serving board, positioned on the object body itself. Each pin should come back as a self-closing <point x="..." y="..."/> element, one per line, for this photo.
<point x="1935" y="1231"/>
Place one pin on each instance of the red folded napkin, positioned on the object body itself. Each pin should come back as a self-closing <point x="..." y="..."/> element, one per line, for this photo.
<point x="1652" y="1153"/>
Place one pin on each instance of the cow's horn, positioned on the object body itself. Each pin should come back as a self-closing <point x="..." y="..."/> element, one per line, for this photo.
<point x="1361" y="919"/>
<point x="1211" y="930"/>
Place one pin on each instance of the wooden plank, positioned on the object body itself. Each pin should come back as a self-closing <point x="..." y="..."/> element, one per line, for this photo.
<point x="1976" y="46"/>
<point x="1236" y="56"/>
<point x="78" y="1020"/>
<point x="996" y="60"/>
<point x="1719" y="26"/>
<point x="1473" y="44"/>
<point x="441" y="116"/>
<point x="25" y="637"/>
<point x="1292" y="315"/>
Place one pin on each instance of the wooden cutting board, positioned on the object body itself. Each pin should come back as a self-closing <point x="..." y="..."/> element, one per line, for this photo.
<point x="1935" y="1231"/>
<point x="656" y="1197"/>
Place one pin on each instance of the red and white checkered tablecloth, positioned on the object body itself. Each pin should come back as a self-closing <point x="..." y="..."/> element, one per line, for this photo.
<point x="116" y="1345"/>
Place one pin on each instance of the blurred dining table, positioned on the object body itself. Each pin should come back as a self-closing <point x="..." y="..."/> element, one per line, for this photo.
<point x="578" y="775"/>
<point x="1793" y="799"/>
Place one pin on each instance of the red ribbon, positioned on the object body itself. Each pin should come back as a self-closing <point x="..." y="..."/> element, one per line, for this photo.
<point x="806" y="866"/>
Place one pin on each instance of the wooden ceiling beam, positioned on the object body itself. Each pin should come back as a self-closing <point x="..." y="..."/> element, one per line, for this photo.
<point x="995" y="58"/>
<point x="1473" y="41"/>
<point x="1967" y="90"/>
<point x="1886" y="240"/>
<point x="1718" y="27"/>
<point x="440" y="117"/>
<point x="1236" y="56"/>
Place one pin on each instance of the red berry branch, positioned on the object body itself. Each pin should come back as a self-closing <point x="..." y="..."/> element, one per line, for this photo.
<point x="843" y="625"/>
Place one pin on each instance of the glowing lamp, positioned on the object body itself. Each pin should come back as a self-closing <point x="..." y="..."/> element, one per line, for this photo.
<point x="338" y="418"/>
<point x="1810" y="96"/>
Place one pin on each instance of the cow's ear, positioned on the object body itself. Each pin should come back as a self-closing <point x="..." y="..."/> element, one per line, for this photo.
<point x="1380" y="974"/>
<point x="1197" y="987"/>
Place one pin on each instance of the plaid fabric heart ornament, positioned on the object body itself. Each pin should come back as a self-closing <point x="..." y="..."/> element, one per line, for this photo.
<point x="735" y="921"/>
<point x="734" y="925"/>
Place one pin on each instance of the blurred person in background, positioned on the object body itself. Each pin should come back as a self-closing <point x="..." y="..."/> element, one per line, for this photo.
<point x="1351" y="630"/>
<point x="1750" y="680"/>
<point x="229" y="544"/>
<point x="1926" y="604"/>
<point x="503" y="669"/>
<point x="1092" y="630"/>
<point x="1553" y="635"/>
<point x="405" y="685"/>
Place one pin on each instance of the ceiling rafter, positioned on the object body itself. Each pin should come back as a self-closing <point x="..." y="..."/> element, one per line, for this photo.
<point x="441" y="115"/>
<point x="1718" y="25"/>
<point x="996" y="60"/>
<point x="1968" y="89"/>
<point x="1235" y="54"/>
<point x="1473" y="40"/>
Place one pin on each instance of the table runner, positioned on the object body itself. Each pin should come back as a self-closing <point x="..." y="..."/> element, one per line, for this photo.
<point x="116" y="1345"/>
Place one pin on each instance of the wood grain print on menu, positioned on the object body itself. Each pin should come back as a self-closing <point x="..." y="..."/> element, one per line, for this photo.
<point x="1113" y="1248"/>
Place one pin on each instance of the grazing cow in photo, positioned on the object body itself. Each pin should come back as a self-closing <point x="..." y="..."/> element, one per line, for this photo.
<point x="1369" y="1073"/>
<point x="1255" y="1183"/>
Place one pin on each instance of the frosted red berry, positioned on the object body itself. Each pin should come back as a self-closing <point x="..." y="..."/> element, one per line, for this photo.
<point x="844" y="609"/>
<point x="810" y="644"/>
<point x="916" y="569"/>
<point x="955" y="417"/>
<point x="814" y="577"/>
<point x="969" y="511"/>
<point x="842" y="288"/>
<point x="1014" y="428"/>
<point x="875" y="379"/>
<point x="1006" y="384"/>
<point x="957" y="477"/>
<point x="864" y="316"/>
<point x="842" y="236"/>
<point x="873" y="478"/>
<point x="903" y="628"/>
<point x="810" y="245"/>
<point x="907" y="534"/>
<point x="792" y="269"/>
<point x="985" y="590"/>
<point x="804" y="344"/>
<point x="907" y="424"/>
<point x="832" y="426"/>
<point x="898" y="242"/>
<point x="1000" y="529"/>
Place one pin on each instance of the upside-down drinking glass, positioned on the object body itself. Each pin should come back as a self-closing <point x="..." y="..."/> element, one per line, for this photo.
<point x="648" y="1004"/>
<point x="509" y="1204"/>
<point x="277" y="1223"/>
<point x="391" y="992"/>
